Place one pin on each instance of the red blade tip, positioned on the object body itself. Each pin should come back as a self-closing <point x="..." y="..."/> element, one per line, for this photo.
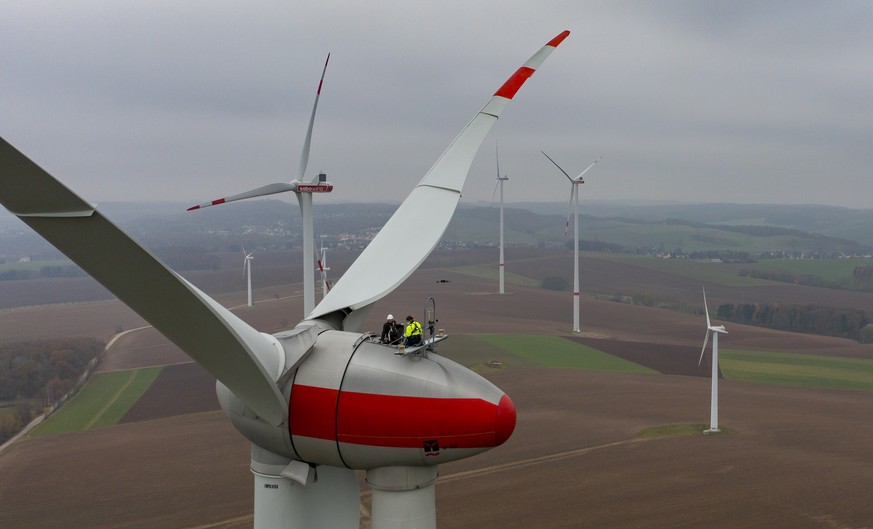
<point x="559" y="39"/>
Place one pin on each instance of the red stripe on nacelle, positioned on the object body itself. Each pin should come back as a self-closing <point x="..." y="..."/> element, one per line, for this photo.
<point x="389" y="420"/>
<point x="313" y="412"/>
<point x="399" y="421"/>
<point x="511" y="86"/>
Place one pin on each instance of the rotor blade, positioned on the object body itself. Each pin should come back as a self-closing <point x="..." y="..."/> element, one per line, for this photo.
<point x="706" y="309"/>
<point x="494" y="193"/>
<point x="304" y="156"/>
<point x="595" y="162"/>
<point x="497" y="157"/>
<point x="422" y="218"/>
<point x="269" y="189"/>
<point x="236" y="354"/>
<point x="569" y="211"/>
<point x="318" y="261"/>
<point x="705" y="341"/>
<point x="556" y="165"/>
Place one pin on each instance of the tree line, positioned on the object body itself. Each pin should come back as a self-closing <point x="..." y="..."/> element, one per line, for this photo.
<point x="862" y="278"/>
<point x="827" y="321"/>
<point x="16" y="274"/>
<point x="36" y="373"/>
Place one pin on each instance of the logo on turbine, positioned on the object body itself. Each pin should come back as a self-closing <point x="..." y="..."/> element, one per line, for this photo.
<point x="431" y="448"/>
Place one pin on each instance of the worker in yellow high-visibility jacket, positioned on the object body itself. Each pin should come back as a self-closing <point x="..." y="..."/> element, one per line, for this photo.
<point x="413" y="332"/>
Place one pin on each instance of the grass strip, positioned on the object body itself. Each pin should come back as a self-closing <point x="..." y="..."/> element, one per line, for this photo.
<point x="672" y="430"/>
<point x="103" y="401"/>
<point x="796" y="370"/>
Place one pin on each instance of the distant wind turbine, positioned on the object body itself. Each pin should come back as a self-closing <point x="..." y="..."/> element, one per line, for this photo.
<point x="715" y="330"/>
<point x="500" y="180"/>
<point x="247" y="271"/>
<point x="303" y="190"/>
<point x="574" y="204"/>
<point x="321" y="262"/>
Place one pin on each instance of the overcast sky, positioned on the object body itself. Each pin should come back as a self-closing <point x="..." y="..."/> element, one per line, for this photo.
<point x="712" y="101"/>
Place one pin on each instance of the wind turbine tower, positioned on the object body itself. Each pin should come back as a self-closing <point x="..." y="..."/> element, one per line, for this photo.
<point x="500" y="180"/>
<point x="574" y="204"/>
<point x="247" y="270"/>
<point x="714" y="330"/>
<point x="303" y="190"/>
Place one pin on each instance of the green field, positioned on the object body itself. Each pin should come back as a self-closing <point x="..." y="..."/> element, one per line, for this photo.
<point x="479" y="355"/>
<point x="556" y="352"/>
<point x="728" y="274"/>
<point x="673" y="430"/>
<point x="488" y="352"/>
<point x="796" y="370"/>
<point x="691" y="238"/>
<point x="829" y="269"/>
<point x="102" y="402"/>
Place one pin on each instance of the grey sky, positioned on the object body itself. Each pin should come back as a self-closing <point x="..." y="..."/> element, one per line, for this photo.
<point x="759" y="102"/>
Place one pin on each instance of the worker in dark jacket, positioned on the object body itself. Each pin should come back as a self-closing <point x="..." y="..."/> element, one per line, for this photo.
<point x="391" y="331"/>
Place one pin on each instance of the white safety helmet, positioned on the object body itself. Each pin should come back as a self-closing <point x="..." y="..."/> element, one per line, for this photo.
<point x="390" y="317"/>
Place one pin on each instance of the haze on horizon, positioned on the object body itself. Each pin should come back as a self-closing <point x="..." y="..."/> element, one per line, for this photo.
<point x="688" y="101"/>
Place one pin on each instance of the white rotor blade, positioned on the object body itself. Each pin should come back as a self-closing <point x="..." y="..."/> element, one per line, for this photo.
<point x="494" y="193"/>
<point x="247" y="263"/>
<point x="235" y="353"/>
<point x="418" y="224"/>
<point x="705" y="341"/>
<point x="595" y="162"/>
<point x="269" y="189"/>
<point x="569" y="211"/>
<point x="558" y="166"/>
<point x="706" y="310"/>
<point x="497" y="158"/>
<point x="304" y="156"/>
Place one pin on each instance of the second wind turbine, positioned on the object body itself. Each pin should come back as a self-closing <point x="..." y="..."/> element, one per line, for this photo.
<point x="574" y="204"/>
<point x="304" y="190"/>
<point x="500" y="180"/>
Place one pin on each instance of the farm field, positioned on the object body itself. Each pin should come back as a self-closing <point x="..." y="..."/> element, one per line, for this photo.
<point x="728" y="274"/>
<point x="102" y="402"/>
<point x="576" y="458"/>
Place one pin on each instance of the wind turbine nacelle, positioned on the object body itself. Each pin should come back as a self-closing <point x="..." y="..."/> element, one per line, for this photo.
<point x="355" y="403"/>
<point x="325" y="187"/>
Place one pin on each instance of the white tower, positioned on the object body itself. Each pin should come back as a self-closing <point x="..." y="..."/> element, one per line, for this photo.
<point x="714" y="330"/>
<point x="500" y="179"/>
<point x="574" y="204"/>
